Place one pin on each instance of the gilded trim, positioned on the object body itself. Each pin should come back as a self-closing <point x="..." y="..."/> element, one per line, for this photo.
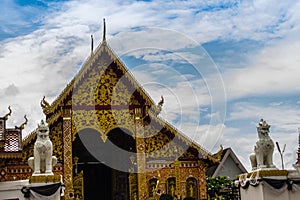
<point x="45" y="179"/>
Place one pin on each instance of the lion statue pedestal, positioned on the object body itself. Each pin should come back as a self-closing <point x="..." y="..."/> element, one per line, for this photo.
<point x="43" y="161"/>
<point x="263" y="150"/>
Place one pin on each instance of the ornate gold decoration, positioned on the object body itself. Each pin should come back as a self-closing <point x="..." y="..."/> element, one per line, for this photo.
<point x="53" y="118"/>
<point x="56" y="136"/>
<point x="28" y="139"/>
<point x="182" y="137"/>
<point x="27" y="152"/>
<point x="102" y="120"/>
<point x="265" y="173"/>
<point x="45" y="179"/>
<point x="217" y="157"/>
<point x="67" y="156"/>
<point x="133" y="185"/>
<point x="102" y="58"/>
<point x="141" y="162"/>
<point x="177" y="175"/>
<point x="45" y="106"/>
<point x="191" y="187"/>
<point x="78" y="185"/>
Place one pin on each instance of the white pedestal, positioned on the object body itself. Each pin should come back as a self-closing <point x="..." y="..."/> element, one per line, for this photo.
<point x="256" y="187"/>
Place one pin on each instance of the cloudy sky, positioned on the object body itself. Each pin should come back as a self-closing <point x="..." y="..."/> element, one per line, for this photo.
<point x="221" y="65"/>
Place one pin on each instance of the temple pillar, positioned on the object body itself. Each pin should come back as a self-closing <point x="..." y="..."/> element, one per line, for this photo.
<point x="202" y="194"/>
<point x="178" y="178"/>
<point x="67" y="156"/>
<point x="140" y="156"/>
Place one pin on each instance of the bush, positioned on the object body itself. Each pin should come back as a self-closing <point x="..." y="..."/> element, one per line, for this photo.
<point x="216" y="186"/>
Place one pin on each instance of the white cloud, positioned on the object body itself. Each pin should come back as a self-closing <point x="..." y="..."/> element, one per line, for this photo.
<point x="273" y="71"/>
<point x="282" y="118"/>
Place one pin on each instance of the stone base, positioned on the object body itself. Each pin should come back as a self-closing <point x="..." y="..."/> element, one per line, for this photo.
<point x="45" y="179"/>
<point x="268" y="184"/>
<point x="269" y="172"/>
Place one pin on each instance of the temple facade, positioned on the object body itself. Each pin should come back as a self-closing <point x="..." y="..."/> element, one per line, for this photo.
<point x="11" y="150"/>
<point x="110" y="142"/>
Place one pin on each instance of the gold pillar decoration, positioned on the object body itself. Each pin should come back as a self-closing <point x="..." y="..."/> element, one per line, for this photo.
<point x="140" y="156"/>
<point x="68" y="162"/>
<point x="202" y="180"/>
<point x="79" y="186"/>
<point x="177" y="175"/>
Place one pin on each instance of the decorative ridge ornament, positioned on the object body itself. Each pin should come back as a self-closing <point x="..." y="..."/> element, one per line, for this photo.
<point x="8" y="114"/>
<point x="161" y="102"/>
<point x="45" y="106"/>
<point x="24" y="123"/>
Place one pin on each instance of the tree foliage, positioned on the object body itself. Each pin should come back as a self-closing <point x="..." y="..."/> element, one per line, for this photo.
<point x="217" y="187"/>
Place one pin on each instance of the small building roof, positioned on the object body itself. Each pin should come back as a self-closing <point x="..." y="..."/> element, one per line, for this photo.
<point x="229" y="166"/>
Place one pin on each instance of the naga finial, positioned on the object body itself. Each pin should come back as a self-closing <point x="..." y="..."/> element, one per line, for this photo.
<point x="22" y="125"/>
<point x="45" y="105"/>
<point x="157" y="108"/>
<point x="8" y="114"/>
<point x="161" y="102"/>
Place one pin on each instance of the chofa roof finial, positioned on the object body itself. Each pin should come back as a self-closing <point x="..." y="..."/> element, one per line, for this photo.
<point x="24" y="123"/>
<point x="8" y="114"/>
<point x="104" y="31"/>
<point x="45" y="105"/>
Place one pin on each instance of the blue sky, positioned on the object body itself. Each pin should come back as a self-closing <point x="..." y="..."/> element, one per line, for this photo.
<point x="221" y="65"/>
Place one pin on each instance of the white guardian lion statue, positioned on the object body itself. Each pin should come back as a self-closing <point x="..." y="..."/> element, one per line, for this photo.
<point x="264" y="148"/>
<point x="43" y="161"/>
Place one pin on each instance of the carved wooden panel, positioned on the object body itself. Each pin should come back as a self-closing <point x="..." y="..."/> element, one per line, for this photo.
<point x="78" y="185"/>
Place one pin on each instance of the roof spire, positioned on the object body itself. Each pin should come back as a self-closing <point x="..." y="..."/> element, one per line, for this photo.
<point x="92" y="44"/>
<point x="104" y="30"/>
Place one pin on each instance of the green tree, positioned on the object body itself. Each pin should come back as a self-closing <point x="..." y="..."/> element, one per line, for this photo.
<point x="218" y="187"/>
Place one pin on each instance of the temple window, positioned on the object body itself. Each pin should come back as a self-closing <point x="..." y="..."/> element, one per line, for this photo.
<point x="191" y="188"/>
<point x="171" y="186"/>
<point x="152" y="187"/>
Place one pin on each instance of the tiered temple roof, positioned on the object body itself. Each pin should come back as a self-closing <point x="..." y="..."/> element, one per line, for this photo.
<point x="10" y="138"/>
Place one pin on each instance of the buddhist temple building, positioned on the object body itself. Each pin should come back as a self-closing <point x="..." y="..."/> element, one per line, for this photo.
<point x="110" y="142"/>
<point x="10" y="149"/>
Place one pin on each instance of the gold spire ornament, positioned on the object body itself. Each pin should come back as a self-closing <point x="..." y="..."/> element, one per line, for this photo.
<point x="45" y="105"/>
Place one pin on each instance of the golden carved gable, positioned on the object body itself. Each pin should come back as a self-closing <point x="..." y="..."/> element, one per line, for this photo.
<point x="103" y="78"/>
<point x="102" y="120"/>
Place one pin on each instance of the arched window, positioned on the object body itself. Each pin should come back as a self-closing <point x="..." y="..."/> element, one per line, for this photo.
<point x="152" y="186"/>
<point x="171" y="186"/>
<point x="191" y="188"/>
